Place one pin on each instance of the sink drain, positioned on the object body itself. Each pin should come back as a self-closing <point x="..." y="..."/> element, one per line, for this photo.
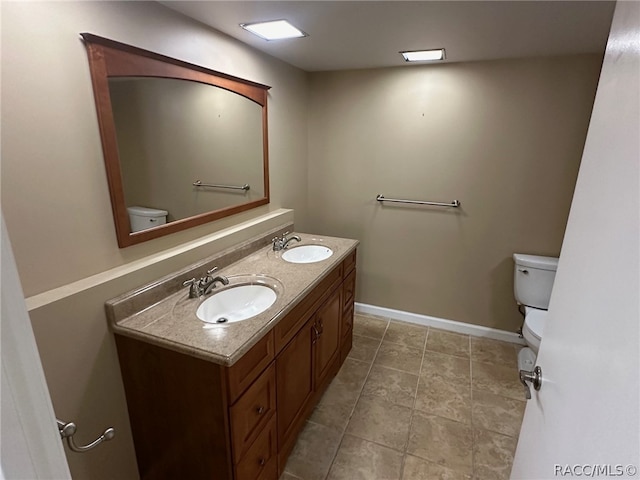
<point x="222" y="320"/>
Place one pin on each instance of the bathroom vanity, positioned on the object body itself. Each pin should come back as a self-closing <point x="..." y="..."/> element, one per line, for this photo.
<point x="228" y="401"/>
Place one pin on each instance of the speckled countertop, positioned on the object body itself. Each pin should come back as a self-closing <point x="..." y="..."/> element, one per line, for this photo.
<point x="172" y="321"/>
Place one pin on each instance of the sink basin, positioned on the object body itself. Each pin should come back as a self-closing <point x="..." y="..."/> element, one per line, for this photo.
<point x="307" y="254"/>
<point x="236" y="303"/>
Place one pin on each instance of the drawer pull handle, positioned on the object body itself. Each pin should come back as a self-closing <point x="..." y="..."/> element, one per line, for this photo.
<point x="262" y="462"/>
<point x="316" y="333"/>
<point x="260" y="410"/>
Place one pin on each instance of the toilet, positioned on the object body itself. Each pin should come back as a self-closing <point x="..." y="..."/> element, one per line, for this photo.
<point x="532" y="284"/>
<point x="142" y="218"/>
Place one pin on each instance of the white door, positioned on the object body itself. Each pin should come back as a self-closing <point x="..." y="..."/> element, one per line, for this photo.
<point x="584" y="421"/>
<point x="31" y="444"/>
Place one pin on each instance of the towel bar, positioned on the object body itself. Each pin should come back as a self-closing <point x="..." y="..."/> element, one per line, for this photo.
<point x="454" y="203"/>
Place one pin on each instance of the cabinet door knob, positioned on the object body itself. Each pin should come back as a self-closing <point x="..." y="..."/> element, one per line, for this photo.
<point x="262" y="462"/>
<point x="260" y="410"/>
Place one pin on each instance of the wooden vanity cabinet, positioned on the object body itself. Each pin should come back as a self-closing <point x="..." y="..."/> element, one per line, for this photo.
<point x="195" y="419"/>
<point x="178" y="411"/>
<point x="190" y="420"/>
<point x="316" y="352"/>
<point x="304" y="368"/>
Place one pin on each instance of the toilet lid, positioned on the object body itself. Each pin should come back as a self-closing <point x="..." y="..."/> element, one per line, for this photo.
<point x="535" y="320"/>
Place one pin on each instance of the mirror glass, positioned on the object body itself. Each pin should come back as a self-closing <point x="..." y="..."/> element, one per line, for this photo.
<point x="173" y="133"/>
<point x="183" y="145"/>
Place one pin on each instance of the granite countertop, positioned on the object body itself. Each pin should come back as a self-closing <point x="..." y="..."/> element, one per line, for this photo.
<point x="172" y="322"/>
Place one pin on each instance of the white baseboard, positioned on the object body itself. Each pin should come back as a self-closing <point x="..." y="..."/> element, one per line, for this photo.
<point x="442" y="323"/>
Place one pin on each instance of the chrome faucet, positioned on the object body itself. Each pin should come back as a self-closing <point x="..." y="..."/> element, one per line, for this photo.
<point x="197" y="288"/>
<point x="281" y="243"/>
<point x="210" y="283"/>
<point x="292" y="237"/>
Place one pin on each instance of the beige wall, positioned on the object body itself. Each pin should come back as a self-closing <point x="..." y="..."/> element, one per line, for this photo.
<point x="55" y="199"/>
<point x="505" y="138"/>
<point x="53" y="178"/>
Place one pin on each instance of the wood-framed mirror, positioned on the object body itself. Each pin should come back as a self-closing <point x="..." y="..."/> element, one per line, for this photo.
<point x="182" y="144"/>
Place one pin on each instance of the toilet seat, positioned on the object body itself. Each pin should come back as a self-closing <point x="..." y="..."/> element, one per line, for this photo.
<point x="533" y="327"/>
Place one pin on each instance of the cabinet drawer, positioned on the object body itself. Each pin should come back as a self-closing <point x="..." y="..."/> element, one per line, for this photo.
<point x="347" y="321"/>
<point x="252" y="412"/>
<point x="349" y="289"/>
<point x="245" y="371"/>
<point x="347" y="343"/>
<point x="261" y="460"/>
<point x="349" y="263"/>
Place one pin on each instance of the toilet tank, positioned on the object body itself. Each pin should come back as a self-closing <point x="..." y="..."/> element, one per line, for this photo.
<point x="533" y="279"/>
<point x="142" y="218"/>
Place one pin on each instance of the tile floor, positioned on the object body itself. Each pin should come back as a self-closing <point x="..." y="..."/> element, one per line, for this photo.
<point x="413" y="403"/>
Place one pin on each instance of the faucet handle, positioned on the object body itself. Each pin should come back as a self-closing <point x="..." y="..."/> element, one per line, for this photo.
<point x="277" y="243"/>
<point x="194" y="287"/>
<point x="207" y="278"/>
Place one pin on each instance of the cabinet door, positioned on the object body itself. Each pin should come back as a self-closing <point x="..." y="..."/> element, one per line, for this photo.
<point x="328" y="338"/>
<point x="294" y="372"/>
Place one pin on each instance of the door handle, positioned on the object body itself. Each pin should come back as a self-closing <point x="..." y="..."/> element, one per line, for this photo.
<point x="535" y="377"/>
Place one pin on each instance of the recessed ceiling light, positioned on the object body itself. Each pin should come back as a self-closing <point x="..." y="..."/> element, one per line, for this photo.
<point x="424" y="55"/>
<point x="274" y="30"/>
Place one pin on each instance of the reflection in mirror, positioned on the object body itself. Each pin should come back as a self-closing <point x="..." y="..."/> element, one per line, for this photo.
<point x="172" y="133"/>
<point x="183" y="145"/>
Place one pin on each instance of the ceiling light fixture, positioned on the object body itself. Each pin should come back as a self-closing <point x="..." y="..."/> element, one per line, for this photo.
<point x="424" y="55"/>
<point x="274" y="30"/>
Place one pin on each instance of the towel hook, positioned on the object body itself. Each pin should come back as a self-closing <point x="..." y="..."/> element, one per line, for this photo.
<point x="68" y="429"/>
